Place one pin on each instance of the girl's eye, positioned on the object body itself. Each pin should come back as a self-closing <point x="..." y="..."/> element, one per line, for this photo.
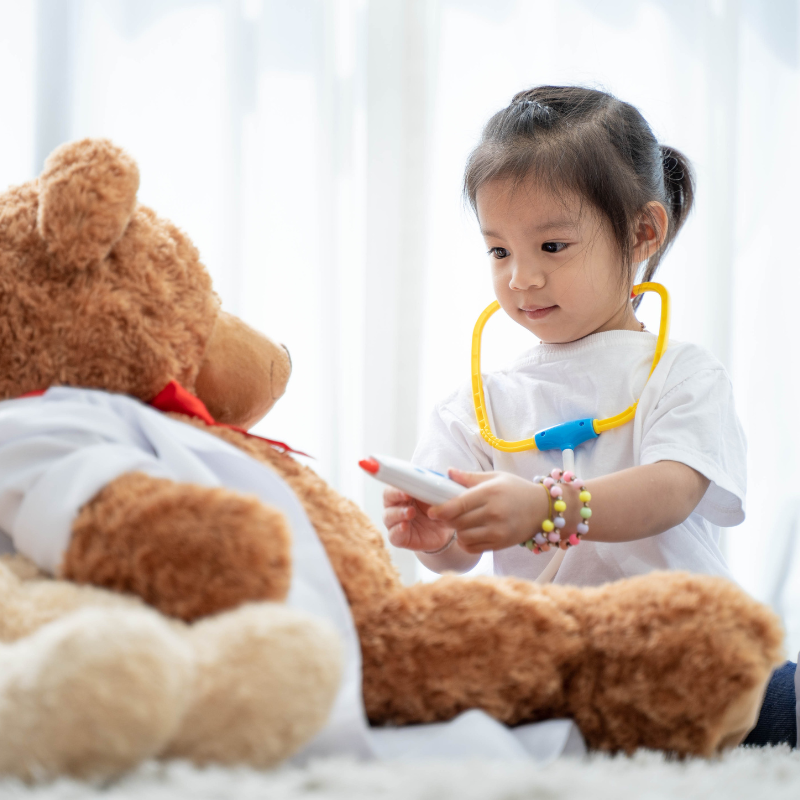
<point x="553" y="247"/>
<point x="499" y="252"/>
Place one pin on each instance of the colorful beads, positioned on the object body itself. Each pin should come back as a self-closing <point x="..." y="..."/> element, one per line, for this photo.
<point x="550" y="530"/>
<point x="582" y="528"/>
<point x="539" y="543"/>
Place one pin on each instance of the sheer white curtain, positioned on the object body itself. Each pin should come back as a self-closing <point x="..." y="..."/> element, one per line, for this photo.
<point x="314" y="150"/>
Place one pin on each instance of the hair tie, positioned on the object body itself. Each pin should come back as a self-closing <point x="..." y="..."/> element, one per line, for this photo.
<point x="535" y="106"/>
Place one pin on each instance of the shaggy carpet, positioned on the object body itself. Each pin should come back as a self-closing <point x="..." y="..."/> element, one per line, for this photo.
<point x="772" y="773"/>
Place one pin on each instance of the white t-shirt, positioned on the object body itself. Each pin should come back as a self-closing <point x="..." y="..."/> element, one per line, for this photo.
<point x="685" y="413"/>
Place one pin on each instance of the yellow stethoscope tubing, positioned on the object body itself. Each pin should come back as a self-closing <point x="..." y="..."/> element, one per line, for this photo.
<point x="599" y="425"/>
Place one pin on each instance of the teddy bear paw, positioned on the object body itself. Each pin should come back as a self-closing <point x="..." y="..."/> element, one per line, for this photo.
<point x="190" y="551"/>
<point x="267" y="677"/>
<point x="91" y="694"/>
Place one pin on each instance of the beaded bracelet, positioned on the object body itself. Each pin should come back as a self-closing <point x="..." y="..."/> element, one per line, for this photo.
<point x="550" y="532"/>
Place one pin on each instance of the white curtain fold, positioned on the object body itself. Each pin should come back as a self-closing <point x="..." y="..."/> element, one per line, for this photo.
<point x="314" y="149"/>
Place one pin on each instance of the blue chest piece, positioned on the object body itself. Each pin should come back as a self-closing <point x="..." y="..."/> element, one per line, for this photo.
<point x="566" y="436"/>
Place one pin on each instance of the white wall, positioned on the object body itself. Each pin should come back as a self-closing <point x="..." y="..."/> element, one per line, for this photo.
<point x="314" y="150"/>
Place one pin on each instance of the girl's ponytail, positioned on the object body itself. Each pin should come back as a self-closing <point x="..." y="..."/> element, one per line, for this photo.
<point x="678" y="186"/>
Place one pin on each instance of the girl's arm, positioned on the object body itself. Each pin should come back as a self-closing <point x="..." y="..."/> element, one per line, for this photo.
<point x="502" y="510"/>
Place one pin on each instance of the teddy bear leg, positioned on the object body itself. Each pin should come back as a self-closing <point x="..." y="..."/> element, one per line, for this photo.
<point x="91" y="694"/>
<point x="432" y="651"/>
<point x="679" y="662"/>
<point x="670" y="661"/>
<point x="187" y="550"/>
<point x="267" y="677"/>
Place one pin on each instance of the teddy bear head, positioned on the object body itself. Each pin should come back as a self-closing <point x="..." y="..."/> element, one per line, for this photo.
<point x="97" y="291"/>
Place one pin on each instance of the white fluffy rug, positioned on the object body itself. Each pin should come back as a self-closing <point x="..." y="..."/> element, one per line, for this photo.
<point x="772" y="774"/>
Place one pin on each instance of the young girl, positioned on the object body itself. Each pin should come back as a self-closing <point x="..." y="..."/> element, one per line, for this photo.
<point x="575" y="198"/>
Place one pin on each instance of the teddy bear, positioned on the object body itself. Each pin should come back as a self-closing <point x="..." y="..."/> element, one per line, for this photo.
<point x="107" y="308"/>
<point x="91" y="681"/>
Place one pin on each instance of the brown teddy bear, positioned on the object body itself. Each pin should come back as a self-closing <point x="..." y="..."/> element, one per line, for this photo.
<point x="96" y="291"/>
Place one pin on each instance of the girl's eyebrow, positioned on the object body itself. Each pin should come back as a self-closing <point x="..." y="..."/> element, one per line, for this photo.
<point x="555" y="224"/>
<point x="550" y="225"/>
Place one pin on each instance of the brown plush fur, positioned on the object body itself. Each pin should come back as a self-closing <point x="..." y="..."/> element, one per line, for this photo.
<point x="129" y="321"/>
<point x="87" y="195"/>
<point x="668" y="661"/>
<point x="187" y="550"/>
<point x="653" y="661"/>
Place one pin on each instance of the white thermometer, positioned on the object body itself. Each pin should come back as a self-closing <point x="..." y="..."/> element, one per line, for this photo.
<point x="423" y="484"/>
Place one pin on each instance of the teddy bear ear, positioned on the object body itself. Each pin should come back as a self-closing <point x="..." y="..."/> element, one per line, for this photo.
<point x="87" y="194"/>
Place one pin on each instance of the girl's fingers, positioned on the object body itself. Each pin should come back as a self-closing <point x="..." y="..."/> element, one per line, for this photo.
<point x="456" y="507"/>
<point x="394" y="497"/>
<point x="398" y="534"/>
<point x="469" y="479"/>
<point x="398" y="514"/>
<point x="475" y="540"/>
<point x="475" y="518"/>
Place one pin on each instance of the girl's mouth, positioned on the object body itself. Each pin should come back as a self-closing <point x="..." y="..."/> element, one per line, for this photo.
<point x="537" y="312"/>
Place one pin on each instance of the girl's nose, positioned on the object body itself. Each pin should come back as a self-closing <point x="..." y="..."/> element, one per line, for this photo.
<point x="526" y="276"/>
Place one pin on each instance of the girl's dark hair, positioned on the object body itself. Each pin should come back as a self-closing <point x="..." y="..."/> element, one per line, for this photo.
<point x="587" y="142"/>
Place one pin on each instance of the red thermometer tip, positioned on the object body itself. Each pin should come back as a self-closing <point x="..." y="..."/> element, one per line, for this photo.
<point x="370" y="465"/>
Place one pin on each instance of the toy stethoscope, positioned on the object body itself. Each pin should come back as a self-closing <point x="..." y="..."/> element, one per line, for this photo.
<point x="568" y="435"/>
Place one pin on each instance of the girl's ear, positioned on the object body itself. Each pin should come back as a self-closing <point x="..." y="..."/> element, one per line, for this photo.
<point x="650" y="232"/>
<point x="87" y="194"/>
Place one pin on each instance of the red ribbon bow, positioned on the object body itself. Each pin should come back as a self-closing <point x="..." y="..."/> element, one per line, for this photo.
<point x="175" y="399"/>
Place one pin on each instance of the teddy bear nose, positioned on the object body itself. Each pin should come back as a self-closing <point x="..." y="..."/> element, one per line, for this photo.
<point x="288" y="355"/>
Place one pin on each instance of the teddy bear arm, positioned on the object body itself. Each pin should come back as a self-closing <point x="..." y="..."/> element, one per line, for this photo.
<point x="187" y="550"/>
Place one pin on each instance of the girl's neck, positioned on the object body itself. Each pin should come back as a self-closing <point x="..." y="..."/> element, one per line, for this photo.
<point x="623" y="320"/>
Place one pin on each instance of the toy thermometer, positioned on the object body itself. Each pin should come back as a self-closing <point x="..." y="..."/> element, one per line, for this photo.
<point x="423" y="484"/>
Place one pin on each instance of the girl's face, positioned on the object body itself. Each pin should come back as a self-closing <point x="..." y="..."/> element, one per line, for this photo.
<point x="556" y="267"/>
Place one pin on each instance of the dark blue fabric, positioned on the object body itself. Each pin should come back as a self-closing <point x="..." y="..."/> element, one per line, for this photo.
<point x="777" y="722"/>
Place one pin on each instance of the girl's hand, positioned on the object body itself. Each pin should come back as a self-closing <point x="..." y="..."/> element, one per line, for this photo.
<point x="498" y="511"/>
<point x="408" y="524"/>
